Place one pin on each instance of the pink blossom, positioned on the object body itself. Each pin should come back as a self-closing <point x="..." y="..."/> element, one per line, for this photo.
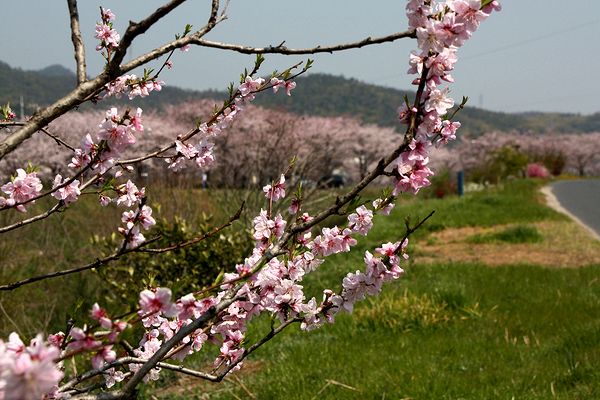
<point x="205" y="155"/>
<point x="22" y="188"/>
<point x="263" y="226"/>
<point x="438" y="101"/>
<point x="129" y="194"/>
<point x="157" y="300"/>
<point x="109" y="38"/>
<point x="68" y="193"/>
<point x="448" y="131"/>
<point x="431" y="37"/>
<point x="99" y="314"/>
<point x="294" y="206"/>
<point x="250" y="86"/>
<point x="136" y="120"/>
<point x="277" y="191"/>
<point x="102" y="356"/>
<point x="186" y="149"/>
<point x="82" y="340"/>
<point x="361" y="221"/>
<point x="133" y="237"/>
<point x="104" y="200"/>
<point x="383" y="210"/>
<point x="112" y="376"/>
<point x="287" y="85"/>
<point x="29" y="373"/>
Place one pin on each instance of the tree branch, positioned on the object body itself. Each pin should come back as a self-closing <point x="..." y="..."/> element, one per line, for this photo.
<point x="281" y="49"/>
<point x="95" y="264"/>
<point x="77" y="41"/>
<point x="87" y="89"/>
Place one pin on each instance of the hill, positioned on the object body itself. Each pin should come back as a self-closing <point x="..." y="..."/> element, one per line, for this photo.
<point x="326" y="95"/>
<point x="316" y="94"/>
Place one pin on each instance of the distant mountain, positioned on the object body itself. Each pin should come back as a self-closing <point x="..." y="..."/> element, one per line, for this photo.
<point x="316" y="94"/>
<point x="42" y="87"/>
<point x="56" y="71"/>
<point x="320" y="94"/>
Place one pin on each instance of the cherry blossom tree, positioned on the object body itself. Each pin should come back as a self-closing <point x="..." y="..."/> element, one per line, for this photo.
<point x="558" y="152"/>
<point x="286" y="248"/>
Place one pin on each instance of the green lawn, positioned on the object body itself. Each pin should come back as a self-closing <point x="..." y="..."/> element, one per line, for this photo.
<point x="444" y="331"/>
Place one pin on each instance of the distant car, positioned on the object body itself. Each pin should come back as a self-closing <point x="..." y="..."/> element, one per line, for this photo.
<point x="332" y="181"/>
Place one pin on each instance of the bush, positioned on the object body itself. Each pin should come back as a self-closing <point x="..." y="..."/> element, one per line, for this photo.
<point x="185" y="269"/>
<point x="535" y="170"/>
<point x="502" y="163"/>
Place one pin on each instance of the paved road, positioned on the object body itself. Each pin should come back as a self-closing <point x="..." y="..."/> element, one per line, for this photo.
<point x="582" y="199"/>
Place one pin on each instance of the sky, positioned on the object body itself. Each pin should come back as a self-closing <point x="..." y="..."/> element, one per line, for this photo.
<point x="535" y="55"/>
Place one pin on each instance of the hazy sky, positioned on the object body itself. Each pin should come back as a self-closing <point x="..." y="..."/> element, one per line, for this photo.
<point x="535" y="55"/>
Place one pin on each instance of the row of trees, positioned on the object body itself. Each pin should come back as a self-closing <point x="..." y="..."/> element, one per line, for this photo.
<point x="259" y="145"/>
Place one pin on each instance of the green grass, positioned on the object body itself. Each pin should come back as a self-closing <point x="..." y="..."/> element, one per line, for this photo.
<point x="446" y="331"/>
<point x="513" y="234"/>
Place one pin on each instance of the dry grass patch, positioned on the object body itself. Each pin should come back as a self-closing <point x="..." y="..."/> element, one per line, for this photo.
<point x="564" y="244"/>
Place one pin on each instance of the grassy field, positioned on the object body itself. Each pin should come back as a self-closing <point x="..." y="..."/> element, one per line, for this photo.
<point x="501" y="300"/>
<point x="447" y="330"/>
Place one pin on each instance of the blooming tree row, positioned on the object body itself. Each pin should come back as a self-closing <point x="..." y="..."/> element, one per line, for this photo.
<point x="287" y="246"/>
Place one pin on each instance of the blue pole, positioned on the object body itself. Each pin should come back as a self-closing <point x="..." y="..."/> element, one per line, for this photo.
<point x="460" y="178"/>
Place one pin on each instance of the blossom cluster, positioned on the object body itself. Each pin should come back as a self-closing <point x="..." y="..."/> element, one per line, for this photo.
<point x="441" y="28"/>
<point x="22" y="188"/>
<point x="28" y="372"/>
<point x="132" y="86"/>
<point x="115" y="134"/>
<point x="109" y="37"/>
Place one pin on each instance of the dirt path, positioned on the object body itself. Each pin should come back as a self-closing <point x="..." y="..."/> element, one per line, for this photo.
<point x="564" y="244"/>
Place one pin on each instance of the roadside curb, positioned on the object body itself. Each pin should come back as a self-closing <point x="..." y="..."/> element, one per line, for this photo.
<point x="552" y="202"/>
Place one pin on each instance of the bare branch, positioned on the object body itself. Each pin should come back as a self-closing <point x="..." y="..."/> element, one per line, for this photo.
<point x="58" y="140"/>
<point x="77" y="41"/>
<point x="95" y="264"/>
<point x="281" y="49"/>
<point x="137" y="28"/>
<point x="28" y="221"/>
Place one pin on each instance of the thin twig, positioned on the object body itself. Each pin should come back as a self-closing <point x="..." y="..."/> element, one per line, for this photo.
<point x="28" y="221"/>
<point x="58" y="140"/>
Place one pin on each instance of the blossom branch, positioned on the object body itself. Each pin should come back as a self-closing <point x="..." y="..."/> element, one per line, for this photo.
<point x="77" y="41"/>
<point x="272" y="333"/>
<point x="87" y="89"/>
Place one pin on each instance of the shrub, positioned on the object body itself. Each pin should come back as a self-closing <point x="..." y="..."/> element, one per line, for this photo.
<point x="535" y="170"/>
<point x="186" y="270"/>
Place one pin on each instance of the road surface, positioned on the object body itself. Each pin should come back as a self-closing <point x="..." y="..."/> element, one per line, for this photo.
<point x="581" y="198"/>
